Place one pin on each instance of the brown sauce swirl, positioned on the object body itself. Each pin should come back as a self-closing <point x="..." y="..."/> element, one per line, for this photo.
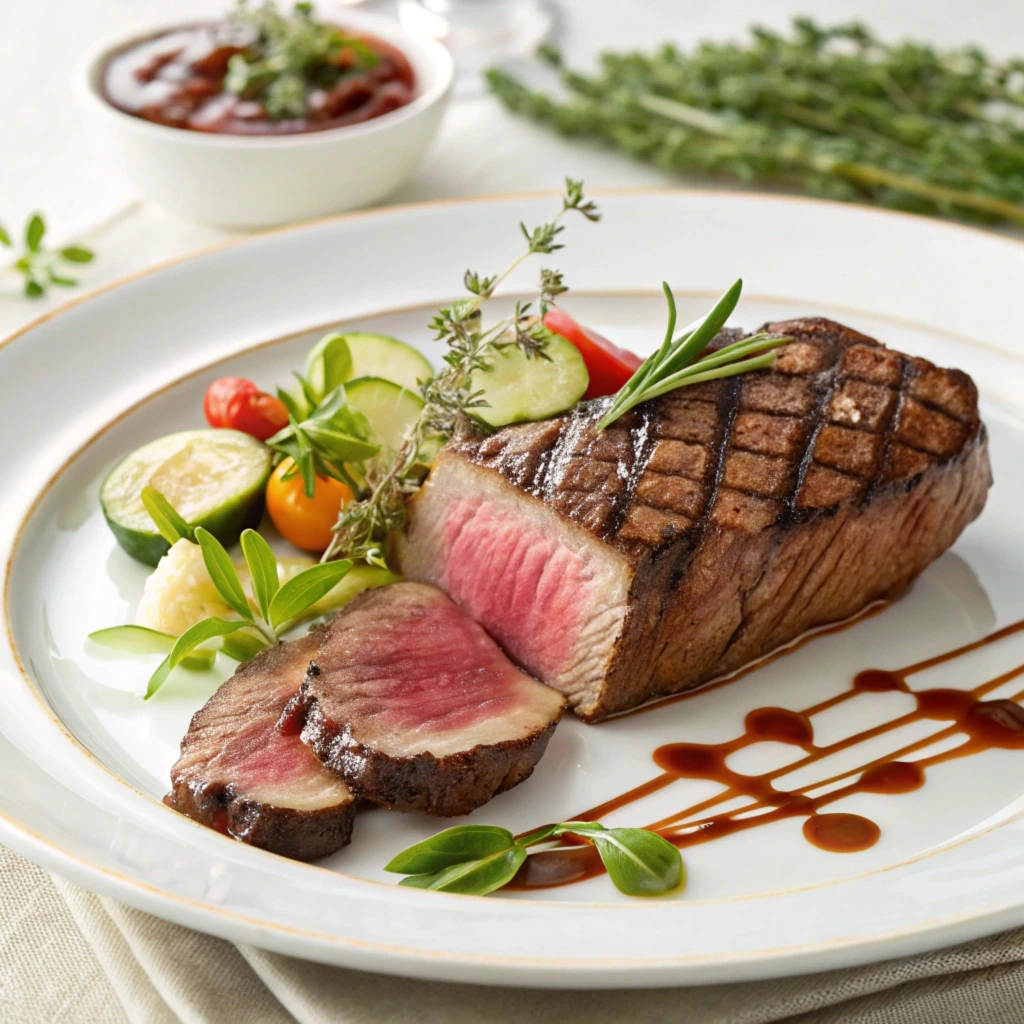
<point x="982" y="723"/>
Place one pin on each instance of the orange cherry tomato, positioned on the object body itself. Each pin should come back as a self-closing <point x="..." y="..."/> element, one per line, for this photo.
<point x="304" y="522"/>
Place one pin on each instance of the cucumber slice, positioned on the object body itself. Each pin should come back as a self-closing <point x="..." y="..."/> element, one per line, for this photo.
<point x="377" y="355"/>
<point x="214" y="478"/>
<point x="389" y="408"/>
<point x="518" y="388"/>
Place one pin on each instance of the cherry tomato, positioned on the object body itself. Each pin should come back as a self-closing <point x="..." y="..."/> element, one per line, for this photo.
<point x="236" y="403"/>
<point x="304" y="522"/>
<point x="608" y="365"/>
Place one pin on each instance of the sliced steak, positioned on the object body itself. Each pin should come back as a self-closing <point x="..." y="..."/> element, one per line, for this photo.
<point x="416" y="707"/>
<point x="708" y="527"/>
<point x="240" y="773"/>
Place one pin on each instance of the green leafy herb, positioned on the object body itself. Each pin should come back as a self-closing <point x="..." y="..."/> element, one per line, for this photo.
<point x="331" y="436"/>
<point x="280" y="606"/>
<point x="141" y="640"/>
<point x="478" y="859"/>
<point x="289" y="56"/>
<point x="41" y="267"/>
<point x="170" y="525"/>
<point x="834" y="111"/>
<point x="449" y="397"/>
<point x="678" y="361"/>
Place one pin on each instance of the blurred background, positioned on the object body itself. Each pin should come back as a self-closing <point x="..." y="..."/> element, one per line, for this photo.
<point x="50" y="164"/>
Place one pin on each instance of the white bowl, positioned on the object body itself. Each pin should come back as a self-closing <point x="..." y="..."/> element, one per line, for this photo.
<point x="256" y="182"/>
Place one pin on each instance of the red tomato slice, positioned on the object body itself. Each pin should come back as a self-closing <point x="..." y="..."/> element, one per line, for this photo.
<point x="237" y="404"/>
<point x="608" y="365"/>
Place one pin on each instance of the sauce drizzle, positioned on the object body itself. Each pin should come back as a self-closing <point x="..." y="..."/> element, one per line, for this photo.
<point x="980" y="722"/>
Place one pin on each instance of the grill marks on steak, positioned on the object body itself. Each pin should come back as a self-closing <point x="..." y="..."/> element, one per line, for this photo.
<point x="241" y="774"/>
<point x="707" y="527"/>
<point x="416" y="707"/>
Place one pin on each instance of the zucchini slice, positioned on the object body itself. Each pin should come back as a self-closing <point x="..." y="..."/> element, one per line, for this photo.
<point x="389" y="407"/>
<point x="214" y="478"/>
<point x="378" y="355"/>
<point x="517" y="388"/>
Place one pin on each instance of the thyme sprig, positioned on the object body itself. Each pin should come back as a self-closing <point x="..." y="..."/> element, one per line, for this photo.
<point x="679" y="361"/>
<point x="40" y="266"/>
<point x="834" y="111"/>
<point x="449" y="398"/>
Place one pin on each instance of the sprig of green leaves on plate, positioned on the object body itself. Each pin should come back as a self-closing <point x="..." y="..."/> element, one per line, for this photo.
<point x="324" y="433"/>
<point x="41" y="267"/>
<point x="478" y="859"/>
<point x="279" y="606"/>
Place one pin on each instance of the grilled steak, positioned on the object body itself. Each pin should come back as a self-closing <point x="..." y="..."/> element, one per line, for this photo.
<point x="416" y="707"/>
<point x="241" y="774"/>
<point x="708" y="527"/>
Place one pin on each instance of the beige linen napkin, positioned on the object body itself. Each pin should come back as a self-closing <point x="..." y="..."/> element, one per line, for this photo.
<point x="71" y="957"/>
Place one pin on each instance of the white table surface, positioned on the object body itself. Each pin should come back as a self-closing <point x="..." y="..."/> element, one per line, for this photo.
<point x="46" y="161"/>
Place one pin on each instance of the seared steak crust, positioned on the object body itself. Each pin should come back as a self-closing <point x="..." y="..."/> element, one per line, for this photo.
<point x="243" y="775"/>
<point x="445" y="786"/>
<point x="748" y="510"/>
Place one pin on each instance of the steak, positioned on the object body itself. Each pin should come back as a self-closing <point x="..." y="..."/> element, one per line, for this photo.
<point x="707" y="527"/>
<point x="240" y="773"/>
<point x="414" y="705"/>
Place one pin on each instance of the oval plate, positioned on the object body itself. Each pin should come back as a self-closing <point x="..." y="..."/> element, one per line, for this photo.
<point x="86" y="762"/>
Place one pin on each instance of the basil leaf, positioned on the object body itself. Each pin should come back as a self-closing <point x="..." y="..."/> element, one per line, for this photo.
<point x="34" y="231"/>
<point x="262" y="568"/>
<point x="539" y="835"/>
<point x="77" y="254"/>
<point x="328" y="364"/>
<point x="640" y="863"/>
<point x="475" y="877"/>
<point x="243" y="646"/>
<point x="185" y="644"/>
<point x="5" y="238"/>
<point x="304" y="590"/>
<point x="61" y="282"/>
<point x="452" y="846"/>
<point x="33" y="289"/>
<point x="289" y="402"/>
<point x="171" y="526"/>
<point x="222" y="572"/>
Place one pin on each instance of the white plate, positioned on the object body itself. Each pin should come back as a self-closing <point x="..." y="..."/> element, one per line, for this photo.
<point x="85" y="762"/>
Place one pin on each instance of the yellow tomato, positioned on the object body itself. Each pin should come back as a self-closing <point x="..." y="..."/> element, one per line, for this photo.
<point x="305" y="522"/>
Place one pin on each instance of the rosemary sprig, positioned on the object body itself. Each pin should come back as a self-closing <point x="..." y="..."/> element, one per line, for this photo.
<point x="40" y="266"/>
<point x="834" y="111"/>
<point x="448" y="396"/>
<point x="678" y="362"/>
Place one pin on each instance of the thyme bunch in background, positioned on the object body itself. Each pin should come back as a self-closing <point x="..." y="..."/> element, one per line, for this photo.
<point x="448" y="396"/>
<point x="835" y="112"/>
<point x="39" y="266"/>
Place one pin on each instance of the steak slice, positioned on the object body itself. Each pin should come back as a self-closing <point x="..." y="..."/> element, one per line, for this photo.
<point x="241" y="774"/>
<point x="708" y="527"/>
<point x="414" y="705"/>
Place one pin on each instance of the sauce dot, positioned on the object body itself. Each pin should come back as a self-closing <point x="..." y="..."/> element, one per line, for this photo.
<point x="781" y="725"/>
<point x="876" y="680"/>
<point x="696" y="760"/>
<point x="892" y="777"/>
<point x="841" y="833"/>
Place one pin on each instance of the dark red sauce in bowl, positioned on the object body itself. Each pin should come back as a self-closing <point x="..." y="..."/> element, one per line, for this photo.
<point x="176" y="79"/>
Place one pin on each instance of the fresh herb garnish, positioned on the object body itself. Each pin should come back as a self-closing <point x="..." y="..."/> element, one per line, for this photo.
<point x="449" y="397"/>
<point x="678" y="362"/>
<point x="290" y="55"/>
<point x="833" y="111"/>
<point x="41" y="267"/>
<point x="280" y="606"/>
<point x="478" y="859"/>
